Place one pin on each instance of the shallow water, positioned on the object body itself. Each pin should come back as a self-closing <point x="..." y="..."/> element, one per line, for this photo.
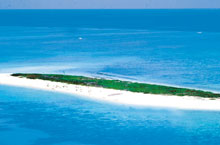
<point x="32" y="117"/>
<point x="175" y="47"/>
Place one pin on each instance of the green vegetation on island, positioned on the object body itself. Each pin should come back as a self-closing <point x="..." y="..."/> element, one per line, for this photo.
<point x="120" y="85"/>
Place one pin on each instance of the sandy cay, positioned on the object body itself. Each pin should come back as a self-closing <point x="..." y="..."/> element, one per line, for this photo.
<point x="116" y="96"/>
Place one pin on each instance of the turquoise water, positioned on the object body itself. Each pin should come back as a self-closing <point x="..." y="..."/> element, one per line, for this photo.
<point x="174" y="47"/>
<point x="32" y="117"/>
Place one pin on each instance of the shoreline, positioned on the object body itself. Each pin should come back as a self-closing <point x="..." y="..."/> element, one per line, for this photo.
<point x="116" y="96"/>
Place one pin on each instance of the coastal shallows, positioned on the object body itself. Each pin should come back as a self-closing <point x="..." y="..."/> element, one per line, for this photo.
<point x="93" y="89"/>
<point x="120" y="85"/>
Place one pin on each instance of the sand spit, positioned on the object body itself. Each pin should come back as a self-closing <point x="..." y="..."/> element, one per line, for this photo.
<point x="116" y="96"/>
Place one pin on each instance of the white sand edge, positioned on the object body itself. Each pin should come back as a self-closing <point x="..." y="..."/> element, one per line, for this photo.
<point x="116" y="96"/>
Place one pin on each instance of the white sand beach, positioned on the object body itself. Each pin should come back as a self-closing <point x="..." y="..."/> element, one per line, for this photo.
<point x="116" y="96"/>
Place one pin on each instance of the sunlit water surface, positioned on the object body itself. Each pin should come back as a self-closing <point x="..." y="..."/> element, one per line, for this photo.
<point x="32" y="117"/>
<point x="175" y="47"/>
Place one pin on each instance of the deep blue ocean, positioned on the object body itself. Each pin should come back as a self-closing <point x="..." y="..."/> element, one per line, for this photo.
<point x="172" y="47"/>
